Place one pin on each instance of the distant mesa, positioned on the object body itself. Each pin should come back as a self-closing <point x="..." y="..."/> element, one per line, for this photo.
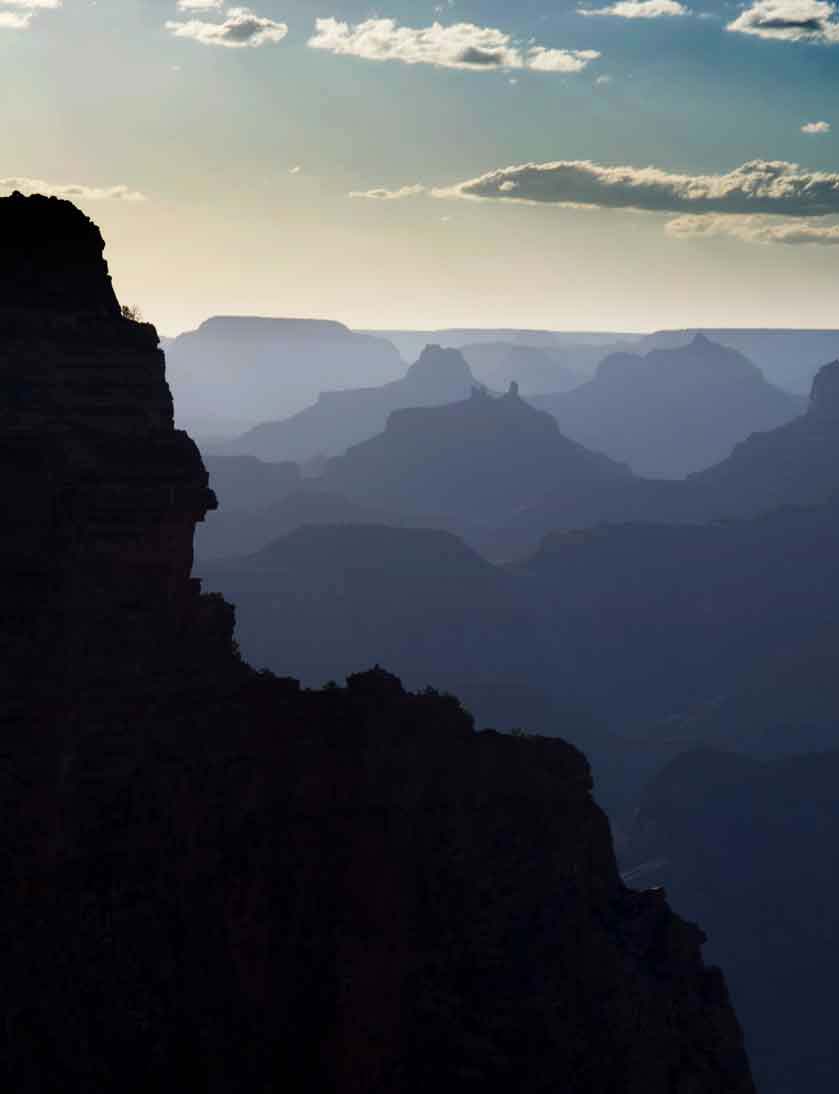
<point x="249" y="369"/>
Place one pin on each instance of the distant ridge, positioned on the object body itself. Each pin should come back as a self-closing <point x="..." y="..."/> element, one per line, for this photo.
<point x="788" y="357"/>
<point x="671" y="411"/>
<point x="794" y="464"/>
<point x="472" y="460"/>
<point x="342" y="418"/>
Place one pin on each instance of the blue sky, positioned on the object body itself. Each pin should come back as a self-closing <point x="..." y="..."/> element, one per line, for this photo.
<point x="245" y="158"/>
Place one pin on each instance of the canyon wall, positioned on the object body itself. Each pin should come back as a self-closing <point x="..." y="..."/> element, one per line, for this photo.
<point x="214" y="880"/>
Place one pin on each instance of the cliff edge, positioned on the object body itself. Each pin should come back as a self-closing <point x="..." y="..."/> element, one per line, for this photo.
<point x="213" y="880"/>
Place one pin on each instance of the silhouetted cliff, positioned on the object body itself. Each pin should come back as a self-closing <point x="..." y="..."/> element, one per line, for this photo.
<point x="51" y="261"/>
<point x="215" y="881"/>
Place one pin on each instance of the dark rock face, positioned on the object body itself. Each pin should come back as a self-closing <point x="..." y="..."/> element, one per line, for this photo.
<point x="51" y="260"/>
<point x="101" y="497"/>
<point x="213" y="880"/>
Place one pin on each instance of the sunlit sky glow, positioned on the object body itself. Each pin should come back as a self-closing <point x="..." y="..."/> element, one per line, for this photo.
<point x="626" y="166"/>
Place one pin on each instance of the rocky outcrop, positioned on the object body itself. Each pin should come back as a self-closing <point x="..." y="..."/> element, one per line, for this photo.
<point x="538" y="370"/>
<point x="51" y="261"/>
<point x="213" y="880"/>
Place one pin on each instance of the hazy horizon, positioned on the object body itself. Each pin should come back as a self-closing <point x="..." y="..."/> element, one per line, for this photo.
<point x="662" y="165"/>
<point x="383" y="331"/>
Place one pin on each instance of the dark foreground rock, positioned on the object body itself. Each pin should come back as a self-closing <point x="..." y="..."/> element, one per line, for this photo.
<point x="215" y="881"/>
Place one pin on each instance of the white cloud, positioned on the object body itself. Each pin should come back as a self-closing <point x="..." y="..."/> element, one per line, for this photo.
<point x="200" y="5"/>
<point x="815" y="128"/>
<point x="295" y="170"/>
<point x="15" y="20"/>
<point x="381" y="194"/>
<point x="240" y="28"/>
<point x="24" y="12"/>
<point x="460" y="45"/>
<point x="754" y="229"/>
<point x="760" y="186"/>
<point x="639" y="9"/>
<point x="790" y="21"/>
<point x="559" y="60"/>
<point x="759" y="202"/>
<point x="71" y="191"/>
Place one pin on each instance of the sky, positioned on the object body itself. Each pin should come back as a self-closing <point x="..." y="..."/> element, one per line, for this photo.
<point x="546" y="163"/>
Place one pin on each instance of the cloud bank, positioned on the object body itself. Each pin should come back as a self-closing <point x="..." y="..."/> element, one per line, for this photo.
<point x="240" y="28"/>
<point x="71" y="191"/>
<point x="757" y="187"/>
<point x="639" y="9"/>
<point x="790" y="21"/>
<point x="754" y="230"/>
<point x="460" y="45"/>
<point x="762" y="201"/>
